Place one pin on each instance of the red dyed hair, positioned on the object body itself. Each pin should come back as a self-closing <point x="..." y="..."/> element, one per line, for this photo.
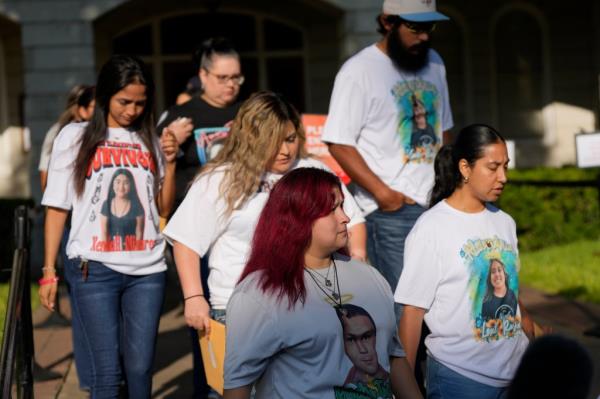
<point x="284" y="231"/>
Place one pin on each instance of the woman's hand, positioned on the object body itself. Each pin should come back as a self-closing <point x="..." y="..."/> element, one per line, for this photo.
<point x="47" y="293"/>
<point x="169" y="145"/>
<point x="197" y="313"/>
<point x="181" y="128"/>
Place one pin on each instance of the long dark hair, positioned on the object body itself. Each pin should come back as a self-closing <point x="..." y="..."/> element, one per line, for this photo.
<point x="116" y="74"/>
<point x="284" y="231"/>
<point x="469" y="145"/>
<point x="133" y="194"/>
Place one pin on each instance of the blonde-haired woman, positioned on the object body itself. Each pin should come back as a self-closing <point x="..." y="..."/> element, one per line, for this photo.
<point x="220" y="211"/>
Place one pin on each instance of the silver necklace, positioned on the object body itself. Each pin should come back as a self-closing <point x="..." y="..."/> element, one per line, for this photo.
<point x="326" y="277"/>
<point x="333" y="295"/>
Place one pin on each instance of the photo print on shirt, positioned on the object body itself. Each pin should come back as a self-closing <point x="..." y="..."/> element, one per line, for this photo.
<point x="493" y="288"/>
<point x="419" y="126"/>
<point x="366" y="378"/>
<point x="118" y="213"/>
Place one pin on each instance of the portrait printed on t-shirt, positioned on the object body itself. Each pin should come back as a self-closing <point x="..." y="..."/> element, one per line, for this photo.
<point x="493" y="288"/>
<point x="366" y="378"/>
<point x="119" y="219"/>
<point x="209" y="141"/>
<point x="419" y="125"/>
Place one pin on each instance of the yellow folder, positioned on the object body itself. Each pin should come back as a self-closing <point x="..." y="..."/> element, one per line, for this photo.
<point x="213" y="355"/>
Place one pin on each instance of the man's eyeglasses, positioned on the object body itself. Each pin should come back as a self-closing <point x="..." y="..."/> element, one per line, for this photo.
<point x="224" y="79"/>
<point x="419" y="27"/>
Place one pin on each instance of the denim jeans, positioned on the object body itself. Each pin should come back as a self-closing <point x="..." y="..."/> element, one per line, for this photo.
<point x="81" y="350"/>
<point x="386" y="232"/>
<point x="219" y="315"/>
<point x="444" y="383"/>
<point x="119" y="314"/>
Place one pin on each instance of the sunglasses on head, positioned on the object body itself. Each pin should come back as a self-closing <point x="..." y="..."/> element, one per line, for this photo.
<point x="419" y="27"/>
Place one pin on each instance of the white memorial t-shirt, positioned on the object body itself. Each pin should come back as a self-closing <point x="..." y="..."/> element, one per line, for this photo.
<point x="395" y="120"/>
<point x="453" y="262"/>
<point x="126" y="238"/>
<point x="200" y="224"/>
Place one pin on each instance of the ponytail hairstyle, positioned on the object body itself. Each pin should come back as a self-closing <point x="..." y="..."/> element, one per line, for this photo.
<point x="469" y="145"/>
<point x="115" y="75"/>
<point x="204" y="55"/>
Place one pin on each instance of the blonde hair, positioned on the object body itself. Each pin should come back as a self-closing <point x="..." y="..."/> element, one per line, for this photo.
<point x="256" y="136"/>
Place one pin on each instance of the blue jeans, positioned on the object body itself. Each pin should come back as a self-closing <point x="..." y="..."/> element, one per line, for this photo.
<point x="119" y="315"/>
<point x="219" y="315"/>
<point x="81" y="351"/>
<point x="386" y="232"/>
<point x="444" y="383"/>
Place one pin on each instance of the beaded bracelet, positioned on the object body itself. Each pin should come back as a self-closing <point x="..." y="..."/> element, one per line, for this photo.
<point x="192" y="296"/>
<point x="45" y="281"/>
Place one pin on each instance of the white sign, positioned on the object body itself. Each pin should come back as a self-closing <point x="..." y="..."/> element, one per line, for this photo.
<point x="587" y="146"/>
<point x="510" y="148"/>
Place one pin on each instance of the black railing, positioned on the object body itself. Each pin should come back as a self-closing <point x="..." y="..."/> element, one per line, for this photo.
<point x="16" y="355"/>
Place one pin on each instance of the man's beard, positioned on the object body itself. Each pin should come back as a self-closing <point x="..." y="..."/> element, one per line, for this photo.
<point x="413" y="60"/>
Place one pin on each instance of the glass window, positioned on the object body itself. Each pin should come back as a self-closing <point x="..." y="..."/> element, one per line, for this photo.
<point x="250" y="71"/>
<point x="519" y="79"/>
<point x="137" y="41"/>
<point x="281" y="37"/>
<point x="286" y="76"/>
<point x="175" y="76"/>
<point x="183" y="34"/>
<point x="180" y="35"/>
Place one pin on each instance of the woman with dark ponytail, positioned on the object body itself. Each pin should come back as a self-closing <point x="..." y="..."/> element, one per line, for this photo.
<point x="471" y="353"/>
<point x="116" y="280"/>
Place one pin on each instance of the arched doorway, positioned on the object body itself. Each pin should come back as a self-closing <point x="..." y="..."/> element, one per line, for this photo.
<point x="521" y="76"/>
<point x="450" y="40"/>
<point x="278" y="52"/>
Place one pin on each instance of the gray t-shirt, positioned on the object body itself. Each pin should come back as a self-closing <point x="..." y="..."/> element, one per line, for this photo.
<point x="314" y="350"/>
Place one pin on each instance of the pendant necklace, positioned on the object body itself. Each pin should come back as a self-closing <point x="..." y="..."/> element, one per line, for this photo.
<point x="326" y="277"/>
<point x="334" y="295"/>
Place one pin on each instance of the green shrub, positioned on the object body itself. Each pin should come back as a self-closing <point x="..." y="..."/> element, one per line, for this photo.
<point x="548" y="216"/>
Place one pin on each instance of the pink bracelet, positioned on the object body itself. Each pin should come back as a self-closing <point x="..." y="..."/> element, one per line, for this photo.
<point x="50" y="280"/>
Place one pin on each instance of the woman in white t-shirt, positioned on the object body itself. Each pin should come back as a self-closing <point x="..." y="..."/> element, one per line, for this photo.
<point x="306" y="321"/>
<point x="116" y="277"/>
<point x="222" y="206"/>
<point x="79" y="107"/>
<point x="456" y="249"/>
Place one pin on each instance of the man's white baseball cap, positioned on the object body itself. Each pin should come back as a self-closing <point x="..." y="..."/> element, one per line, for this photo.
<point x="413" y="10"/>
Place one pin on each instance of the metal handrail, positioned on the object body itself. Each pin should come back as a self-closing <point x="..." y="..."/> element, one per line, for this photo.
<point x="16" y="352"/>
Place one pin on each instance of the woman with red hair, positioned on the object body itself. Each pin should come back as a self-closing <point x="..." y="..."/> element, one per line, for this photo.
<point x="306" y="321"/>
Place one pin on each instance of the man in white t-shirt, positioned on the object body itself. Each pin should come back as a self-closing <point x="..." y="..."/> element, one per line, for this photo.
<point x="388" y="116"/>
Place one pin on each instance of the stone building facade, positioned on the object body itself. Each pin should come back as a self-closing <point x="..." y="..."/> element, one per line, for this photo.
<point x="529" y="67"/>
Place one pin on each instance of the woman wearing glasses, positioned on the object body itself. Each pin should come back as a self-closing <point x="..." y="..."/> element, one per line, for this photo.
<point x="220" y="76"/>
